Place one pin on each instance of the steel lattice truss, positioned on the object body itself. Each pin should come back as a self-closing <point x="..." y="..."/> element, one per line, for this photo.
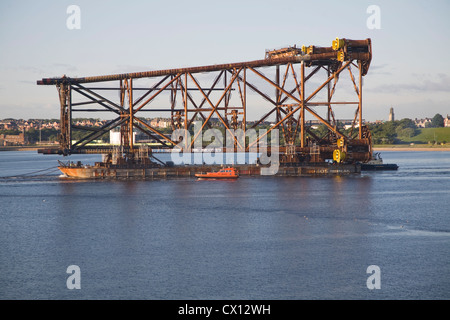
<point x="222" y="93"/>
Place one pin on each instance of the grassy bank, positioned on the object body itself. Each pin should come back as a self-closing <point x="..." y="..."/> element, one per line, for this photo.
<point x="405" y="147"/>
<point x="428" y="139"/>
<point x="430" y="135"/>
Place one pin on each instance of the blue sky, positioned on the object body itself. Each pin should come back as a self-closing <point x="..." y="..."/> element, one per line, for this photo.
<point x="410" y="70"/>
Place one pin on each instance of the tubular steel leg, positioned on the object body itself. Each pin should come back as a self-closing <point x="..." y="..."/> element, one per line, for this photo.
<point x="360" y="99"/>
<point x="64" y="91"/>
<point x="302" y="90"/>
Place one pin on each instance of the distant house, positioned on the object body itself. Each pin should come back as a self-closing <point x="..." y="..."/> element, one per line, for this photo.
<point x="447" y="121"/>
<point x="9" y="125"/>
<point x="421" y="123"/>
<point x="160" y="123"/>
<point x="12" y="139"/>
<point x="154" y="122"/>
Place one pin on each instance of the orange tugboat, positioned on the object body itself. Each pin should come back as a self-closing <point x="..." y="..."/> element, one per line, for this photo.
<point x="225" y="173"/>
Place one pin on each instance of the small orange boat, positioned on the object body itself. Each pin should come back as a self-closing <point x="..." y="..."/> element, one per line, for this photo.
<point x="225" y="173"/>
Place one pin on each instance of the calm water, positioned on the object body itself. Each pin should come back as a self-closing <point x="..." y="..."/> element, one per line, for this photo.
<point x="254" y="238"/>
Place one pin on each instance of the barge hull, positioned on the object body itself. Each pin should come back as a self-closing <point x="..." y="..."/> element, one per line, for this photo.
<point x="94" y="172"/>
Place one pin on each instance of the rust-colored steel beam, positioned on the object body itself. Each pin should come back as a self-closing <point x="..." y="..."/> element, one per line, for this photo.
<point x="159" y="73"/>
<point x="301" y="102"/>
<point x="155" y="131"/>
<point x="360" y="99"/>
<point x="254" y="88"/>
<point x="157" y="93"/>
<point x="199" y="108"/>
<point x="155" y="87"/>
<point x="334" y="55"/>
<point x="302" y="112"/>
<point x="214" y="106"/>
<point x="312" y="73"/>
<point x="94" y="135"/>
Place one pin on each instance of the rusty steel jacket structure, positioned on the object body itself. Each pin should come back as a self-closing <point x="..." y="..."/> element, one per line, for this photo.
<point x="286" y="99"/>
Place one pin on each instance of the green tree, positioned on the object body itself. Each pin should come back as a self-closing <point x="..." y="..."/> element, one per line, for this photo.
<point x="406" y="128"/>
<point x="383" y="133"/>
<point x="437" y="121"/>
<point x="406" y="123"/>
<point x="32" y="135"/>
<point x="12" y="132"/>
<point x="321" y="130"/>
<point x="404" y="132"/>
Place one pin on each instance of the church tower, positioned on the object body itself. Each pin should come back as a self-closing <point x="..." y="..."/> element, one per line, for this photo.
<point x="391" y="115"/>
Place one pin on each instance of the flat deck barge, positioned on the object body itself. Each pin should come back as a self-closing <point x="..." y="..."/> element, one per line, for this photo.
<point x="164" y="172"/>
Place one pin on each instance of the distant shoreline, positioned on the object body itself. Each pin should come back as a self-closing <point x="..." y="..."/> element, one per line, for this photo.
<point x="21" y="148"/>
<point x="375" y="148"/>
<point x="407" y="148"/>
